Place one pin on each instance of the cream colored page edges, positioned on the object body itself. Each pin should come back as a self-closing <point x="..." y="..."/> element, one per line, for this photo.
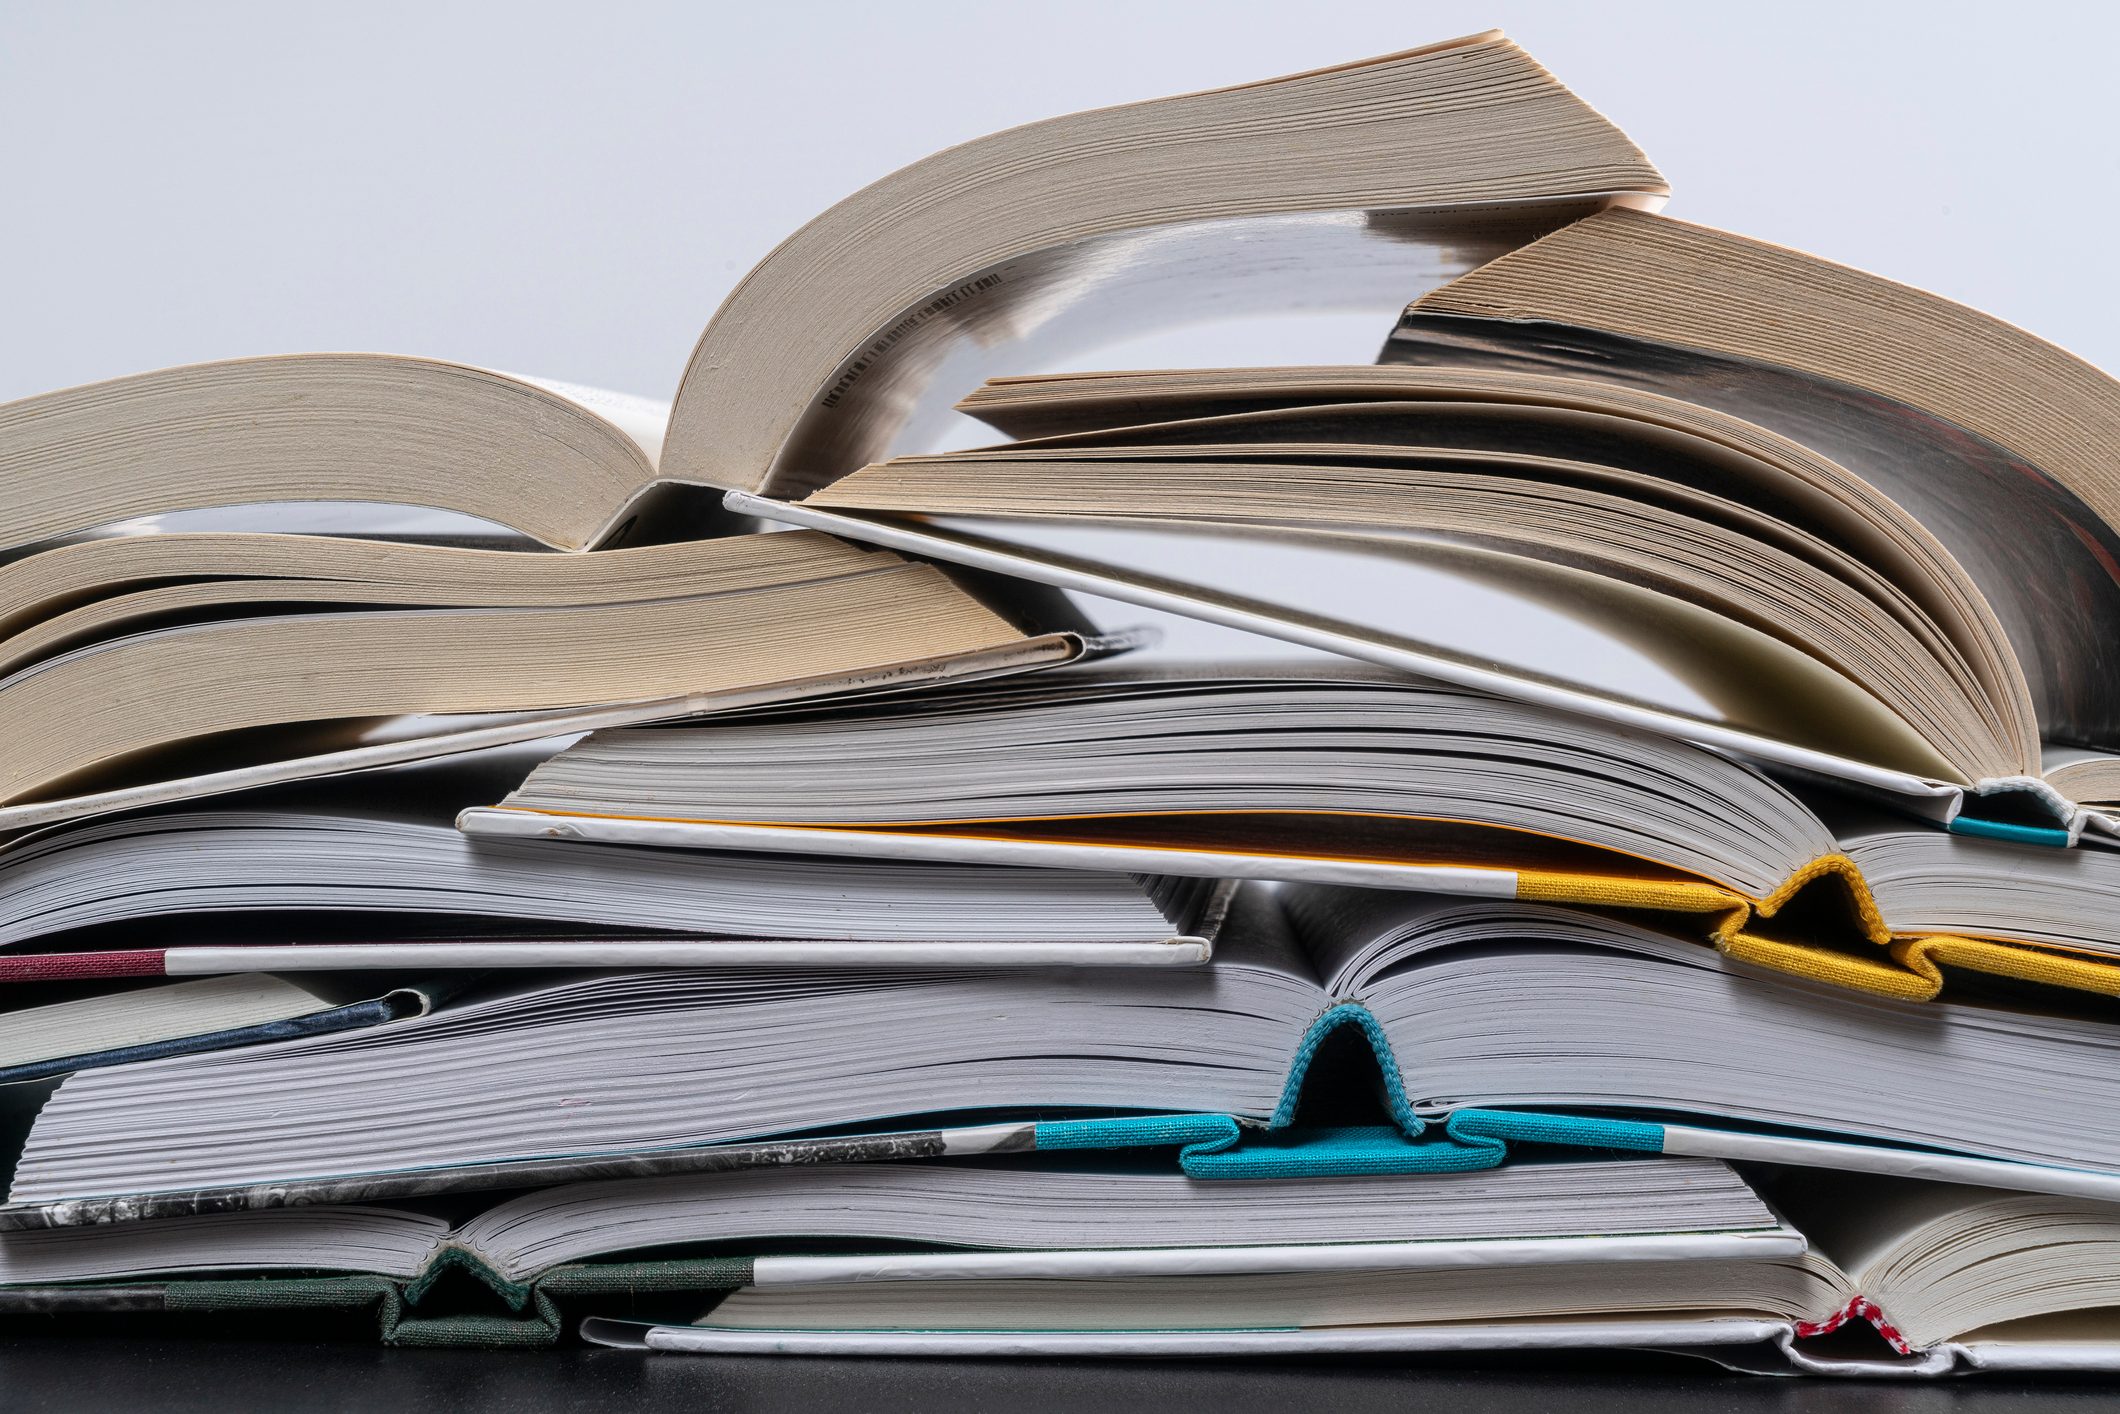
<point x="1470" y="121"/>
<point x="314" y="427"/>
<point x="1815" y="608"/>
<point x="1650" y="277"/>
<point x="73" y="713"/>
<point x="126" y="580"/>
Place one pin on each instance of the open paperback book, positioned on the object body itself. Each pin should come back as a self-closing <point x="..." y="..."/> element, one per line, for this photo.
<point x="1356" y="777"/>
<point x="1950" y="1279"/>
<point x="653" y="1243"/>
<point x="1380" y="174"/>
<point x="270" y="656"/>
<point x="1491" y="1023"/>
<point x="140" y="669"/>
<point x="368" y="872"/>
<point x="1888" y="569"/>
<point x="1340" y="186"/>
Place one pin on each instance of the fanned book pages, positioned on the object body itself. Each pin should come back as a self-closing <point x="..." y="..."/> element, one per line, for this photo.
<point x="1348" y="185"/>
<point x="1948" y="1279"/>
<point x="272" y="657"/>
<point x="368" y="871"/>
<point x="1375" y="177"/>
<point x="1495" y="1026"/>
<point x="148" y="668"/>
<point x="556" y="464"/>
<point x="1353" y="777"/>
<point x="660" y="1242"/>
<point x="458" y="879"/>
<point x="1888" y="567"/>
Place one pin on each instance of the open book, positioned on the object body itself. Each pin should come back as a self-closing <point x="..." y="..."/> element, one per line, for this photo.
<point x="369" y="872"/>
<point x="1356" y="777"/>
<point x="1491" y="1023"/>
<point x="1890" y="568"/>
<point x="1948" y="1278"/>
<point x="185" y="1018"/>
<point x="202" y="663"/>
<point x="138" y="667"/>
<point x="1380" y="175"/>
<point x="1337" y="186"/>
<point x="1102" y="1258"/>
<point x="667" y="1238"/>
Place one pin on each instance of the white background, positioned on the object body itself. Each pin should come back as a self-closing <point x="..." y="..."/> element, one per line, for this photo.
<point x="569" y="189"/>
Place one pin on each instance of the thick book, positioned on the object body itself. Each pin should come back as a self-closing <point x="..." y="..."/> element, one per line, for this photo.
<point x="369" y="872"/>
<point x="350" y="654"/>
<point x="1354" y="777"/>
<point x="1335" y="187"/>
<point x="657" y="1243"/>
<point x="1945" y="1279"/>
<point x="1358" y="178"/>
<point x="1490" y="1024"/>
<point x="1889" y="569"/>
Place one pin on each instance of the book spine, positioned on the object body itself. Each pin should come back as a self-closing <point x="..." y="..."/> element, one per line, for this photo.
<point x="527" y="1173"/>
<point x="1676" y="1333"/>
<point x="320" y="1023"/>
<point x="677" y="953"/>
<point x="1116" y="1263"/>
<point x="83" y="966"/>
<point x="1133" y="1131"/>
<point x="59" y="1299"/>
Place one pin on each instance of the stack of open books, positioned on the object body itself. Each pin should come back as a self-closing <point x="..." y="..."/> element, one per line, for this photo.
<point x="458" y="878"/>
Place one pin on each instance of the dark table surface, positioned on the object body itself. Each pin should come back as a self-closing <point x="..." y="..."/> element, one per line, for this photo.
<point x="227" y="1377"/>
